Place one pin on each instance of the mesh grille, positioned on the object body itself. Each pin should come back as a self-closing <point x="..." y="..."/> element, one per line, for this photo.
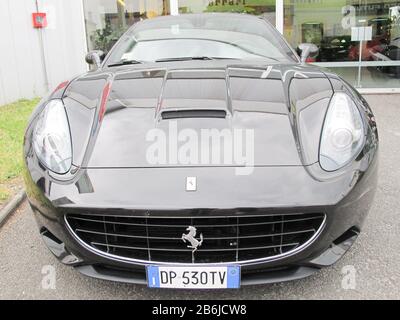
<point x="225" y="239"/>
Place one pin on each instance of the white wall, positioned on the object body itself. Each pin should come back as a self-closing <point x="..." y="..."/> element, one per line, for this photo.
<point x="21" y="64"/>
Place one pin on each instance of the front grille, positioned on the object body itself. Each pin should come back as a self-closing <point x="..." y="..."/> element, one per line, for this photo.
<point x="225" y="239"/>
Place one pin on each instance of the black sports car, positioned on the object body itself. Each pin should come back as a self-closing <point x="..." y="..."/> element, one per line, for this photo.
<point x="201" y="152"/>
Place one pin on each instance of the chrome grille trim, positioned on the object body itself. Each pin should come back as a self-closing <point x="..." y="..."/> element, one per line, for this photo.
<point x="203" y="250"/>
<point x="206" y="238"/>
<point x="177" y="226"/>
<point x="295" y="246"/>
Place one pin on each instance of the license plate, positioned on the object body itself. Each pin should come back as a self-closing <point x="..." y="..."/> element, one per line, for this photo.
<point x="193" y="277"/>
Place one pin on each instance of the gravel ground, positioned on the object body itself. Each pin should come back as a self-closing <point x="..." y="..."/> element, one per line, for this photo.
<point x="375" y="256"/>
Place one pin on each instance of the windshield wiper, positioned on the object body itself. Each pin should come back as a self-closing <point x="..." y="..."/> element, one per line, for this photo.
<point x="185" y="59"/>
<point x="195" y="58"/>
<point x="125" y="63"/>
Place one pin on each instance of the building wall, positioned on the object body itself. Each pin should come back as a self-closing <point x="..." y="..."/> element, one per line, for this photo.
<point x="22" y="71"/>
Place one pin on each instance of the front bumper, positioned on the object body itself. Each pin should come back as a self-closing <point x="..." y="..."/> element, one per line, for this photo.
<point x="260" y="275"/>
<point x="344" y="199"/>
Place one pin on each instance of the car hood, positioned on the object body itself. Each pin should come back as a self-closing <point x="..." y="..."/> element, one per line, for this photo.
<point x="162" y="115"/>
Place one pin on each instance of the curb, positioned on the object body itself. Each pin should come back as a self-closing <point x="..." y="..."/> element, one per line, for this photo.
<point x="11" y="206"/>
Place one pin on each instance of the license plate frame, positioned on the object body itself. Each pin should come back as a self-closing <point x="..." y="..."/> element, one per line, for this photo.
<point x="193" y="277"/>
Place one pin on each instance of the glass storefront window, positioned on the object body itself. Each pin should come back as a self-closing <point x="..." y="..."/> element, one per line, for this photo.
<point x="326" y="23"/>
<point x="107" y="20"/>
<point x="371" y="77"/>
<point x="329" y="23"/>
<point x="256" y="7"/>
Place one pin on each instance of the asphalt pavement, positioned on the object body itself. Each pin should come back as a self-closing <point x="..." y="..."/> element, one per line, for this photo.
<point x="26" y="265"/>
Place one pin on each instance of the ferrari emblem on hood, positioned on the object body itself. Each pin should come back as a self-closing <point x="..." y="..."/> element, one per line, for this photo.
<point x="191" y="184"/>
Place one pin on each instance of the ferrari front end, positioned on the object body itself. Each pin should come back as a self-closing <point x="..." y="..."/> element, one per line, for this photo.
<point x="201" y="172"/>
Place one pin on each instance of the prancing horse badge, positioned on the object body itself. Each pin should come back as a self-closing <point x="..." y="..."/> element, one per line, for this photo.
<point x="191" y="184"/>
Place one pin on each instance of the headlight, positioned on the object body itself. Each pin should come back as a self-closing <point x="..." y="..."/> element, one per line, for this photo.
<point x="52" y="138"/>
<point x="343" y="133"/>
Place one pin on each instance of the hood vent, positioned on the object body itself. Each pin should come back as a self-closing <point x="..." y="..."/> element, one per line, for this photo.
<point x="200" y="113"/>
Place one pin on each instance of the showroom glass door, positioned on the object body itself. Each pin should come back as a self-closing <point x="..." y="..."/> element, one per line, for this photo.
<point x="333" y="25"/>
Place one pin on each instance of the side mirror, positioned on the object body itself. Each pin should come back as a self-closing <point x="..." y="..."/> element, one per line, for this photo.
<point x="95" y="58"/>
<point x="307" y="50"/>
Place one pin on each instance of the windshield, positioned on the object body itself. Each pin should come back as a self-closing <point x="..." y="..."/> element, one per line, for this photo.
<point x="205" y="36"/>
